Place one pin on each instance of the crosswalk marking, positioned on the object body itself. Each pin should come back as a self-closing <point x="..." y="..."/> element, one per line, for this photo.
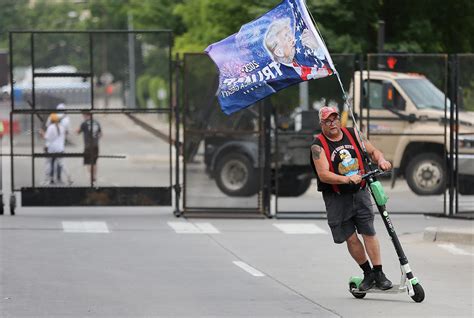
<point x="249" y="269"/>
<point x="193" y="228"/>
<point x="299" y="228"/>
<point x="207" y="228"/>
<point x="85" y="227"/>
<point x="453" y="249"/>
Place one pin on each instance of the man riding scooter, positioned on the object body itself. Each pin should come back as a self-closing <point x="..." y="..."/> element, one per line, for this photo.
<point x="336" y="157"/>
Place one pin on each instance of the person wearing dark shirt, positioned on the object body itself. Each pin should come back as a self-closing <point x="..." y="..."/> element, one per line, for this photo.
<point x="92" y="132"/>
<point x="336" y="157"/>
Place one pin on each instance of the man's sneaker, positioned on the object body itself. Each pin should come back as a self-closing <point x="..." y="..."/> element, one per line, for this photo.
<point x="368" y="281"/>
<point x="381" y="281"/>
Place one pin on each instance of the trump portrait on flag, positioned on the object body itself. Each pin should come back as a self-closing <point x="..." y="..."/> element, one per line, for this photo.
<point x="281" y="43"/>
<point x="279" y="49"/>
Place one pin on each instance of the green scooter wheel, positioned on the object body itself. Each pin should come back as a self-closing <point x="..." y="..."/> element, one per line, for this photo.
<point x="353" y="286"/>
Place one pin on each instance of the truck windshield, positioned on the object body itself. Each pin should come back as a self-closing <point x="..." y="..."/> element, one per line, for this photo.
<point x="423" y="93"/>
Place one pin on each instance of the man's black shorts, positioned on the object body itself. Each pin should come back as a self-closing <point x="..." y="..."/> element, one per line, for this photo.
<point x="348" y="212"/>
<point x="90" y="155"/>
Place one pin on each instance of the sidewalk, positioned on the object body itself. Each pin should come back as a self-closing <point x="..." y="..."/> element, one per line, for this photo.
<point x="463" y="235"/>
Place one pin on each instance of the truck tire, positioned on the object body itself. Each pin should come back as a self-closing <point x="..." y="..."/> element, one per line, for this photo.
<point x="426" y="174"/>
<point x="292" y="186"/>
<point x="236" y="176"/>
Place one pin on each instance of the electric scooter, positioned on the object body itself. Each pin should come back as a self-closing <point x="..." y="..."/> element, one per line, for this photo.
<point x="408" y="281"/>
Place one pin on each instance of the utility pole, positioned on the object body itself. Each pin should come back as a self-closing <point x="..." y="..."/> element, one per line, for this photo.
<point x="304" y="98"/>
<point x="381" y="44"/>
<point x="131" y="62"/>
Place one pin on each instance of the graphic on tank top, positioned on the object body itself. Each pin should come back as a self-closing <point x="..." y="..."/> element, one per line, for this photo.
<point x="348" y="165"/>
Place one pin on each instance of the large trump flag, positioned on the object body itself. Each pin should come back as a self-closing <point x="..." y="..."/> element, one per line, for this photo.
<point x="279" y="49"/>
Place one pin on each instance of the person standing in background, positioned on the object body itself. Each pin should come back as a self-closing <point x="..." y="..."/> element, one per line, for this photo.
<point x="92" y="132"/>
<point x="55" y="138"/>
<point x="64" y="121"/>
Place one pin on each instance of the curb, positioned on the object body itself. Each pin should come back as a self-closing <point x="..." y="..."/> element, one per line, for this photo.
<point x="449" y="234"/>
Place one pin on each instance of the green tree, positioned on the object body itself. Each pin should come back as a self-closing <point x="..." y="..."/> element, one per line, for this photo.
<point x="208" y="21"/>
<point x="156" y="14"/>
<point x="347" y="26"/>
<point x="429" y="26"/>
<point x="432" y="26"/>
<point x="11" y="17"/>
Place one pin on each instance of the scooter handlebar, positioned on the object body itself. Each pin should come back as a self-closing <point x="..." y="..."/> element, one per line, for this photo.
<point x="375" y="173"/>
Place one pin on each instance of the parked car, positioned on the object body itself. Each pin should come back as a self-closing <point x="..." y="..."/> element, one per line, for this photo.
<point x="49" y="91"/>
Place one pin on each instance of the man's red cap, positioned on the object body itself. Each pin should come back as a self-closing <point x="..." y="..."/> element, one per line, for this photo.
<point x="327" y="111"/>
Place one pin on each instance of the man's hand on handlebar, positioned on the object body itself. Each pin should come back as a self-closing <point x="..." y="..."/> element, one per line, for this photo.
<point x="384" y="165"/>
<point x="354" y="179"/>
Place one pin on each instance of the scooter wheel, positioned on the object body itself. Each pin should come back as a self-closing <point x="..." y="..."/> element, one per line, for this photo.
<point x="419" y="293"/>
<point x="356" y="295"/>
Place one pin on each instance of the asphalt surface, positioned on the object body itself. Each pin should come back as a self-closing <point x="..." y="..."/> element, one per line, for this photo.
<point x="144" y="262"/>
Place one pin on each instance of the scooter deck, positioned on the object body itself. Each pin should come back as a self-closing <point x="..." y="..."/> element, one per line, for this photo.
<point x="394" y="290"/>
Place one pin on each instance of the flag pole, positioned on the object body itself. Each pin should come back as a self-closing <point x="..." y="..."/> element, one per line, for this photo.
<point x="344" y="94"/>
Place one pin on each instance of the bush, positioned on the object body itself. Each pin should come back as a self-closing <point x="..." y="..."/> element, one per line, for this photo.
<point x="154" y="86"/>
<point x="143" y="93"/>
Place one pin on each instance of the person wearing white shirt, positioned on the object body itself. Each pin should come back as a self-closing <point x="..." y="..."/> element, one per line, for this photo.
<point x="55" y="138"/>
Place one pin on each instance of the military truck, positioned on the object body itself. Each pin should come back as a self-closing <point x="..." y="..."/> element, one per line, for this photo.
<point x="235" y="164"/>
<point x="405" y="114"/>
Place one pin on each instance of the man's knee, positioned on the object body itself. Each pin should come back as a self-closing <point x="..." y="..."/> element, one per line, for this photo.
<point x="353" y="239"/>
<point x="369" y="237"/>
<point x="370" y="240"/>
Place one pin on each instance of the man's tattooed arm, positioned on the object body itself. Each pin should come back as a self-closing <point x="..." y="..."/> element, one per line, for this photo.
<point x="316" y="151"/>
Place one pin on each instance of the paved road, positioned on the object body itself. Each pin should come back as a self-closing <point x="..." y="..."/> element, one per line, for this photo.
<point x="143" y="262"/>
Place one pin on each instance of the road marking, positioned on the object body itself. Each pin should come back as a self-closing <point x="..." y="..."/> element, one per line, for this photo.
<point x="453" y="249"/>
<point x="85" y="227"/>
<point x="190" y="228"/>
<point x="207" y="228"/>
<point x="299" y="228"/>
<point x="249" y="269"/>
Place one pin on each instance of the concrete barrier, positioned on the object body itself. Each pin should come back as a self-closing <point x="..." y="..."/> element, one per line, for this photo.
<point x="464" y="235"/>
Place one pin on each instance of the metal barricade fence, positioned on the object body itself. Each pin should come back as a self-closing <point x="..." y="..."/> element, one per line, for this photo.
<point x="406" y="113"/>
<point x="222" y="154"/>
<point x="120" y="80"/>
<point x="461" y="192"/>
<point x="401" y="101"/>
<point x="416" y="108"/>
<point x="297" y="124"/>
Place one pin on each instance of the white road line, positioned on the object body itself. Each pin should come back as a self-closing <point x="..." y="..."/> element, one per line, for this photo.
<point x="453" y="249"/>
<point x="207" y="228"/>
<point x="85" y="227"/>
<point x="190" y="228"/>
<point x="249" y="269"/>
<point x="184" y="227"/>
<point x="299" y="228"/>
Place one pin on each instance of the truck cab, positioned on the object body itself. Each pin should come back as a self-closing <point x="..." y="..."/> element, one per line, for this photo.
<point x="404" y="115"/>
<point x="235" y="164"/>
